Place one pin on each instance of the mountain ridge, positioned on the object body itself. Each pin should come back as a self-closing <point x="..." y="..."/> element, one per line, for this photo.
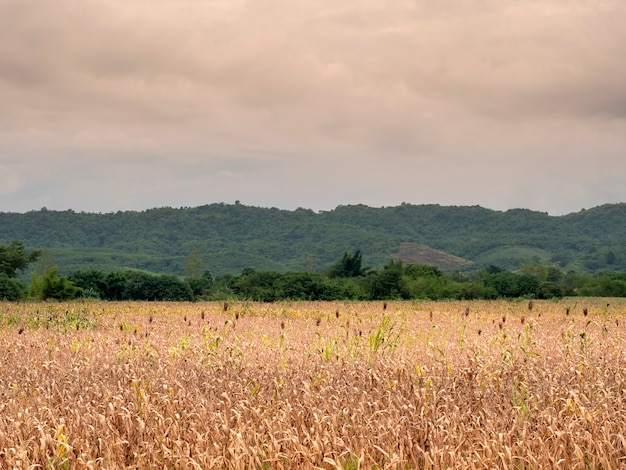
<point x="234" y="236"/>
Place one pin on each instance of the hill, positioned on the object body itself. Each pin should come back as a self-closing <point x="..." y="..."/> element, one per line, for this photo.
<point x="412" y="253"/>
<point x="233" y="237"/>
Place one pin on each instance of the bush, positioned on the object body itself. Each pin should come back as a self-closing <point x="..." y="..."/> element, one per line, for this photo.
<point x="550" y="290"/>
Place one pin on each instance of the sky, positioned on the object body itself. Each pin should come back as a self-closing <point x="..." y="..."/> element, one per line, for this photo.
<point x="110" y="105"/>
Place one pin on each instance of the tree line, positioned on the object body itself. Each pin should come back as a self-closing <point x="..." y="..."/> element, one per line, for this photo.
<point x="347" y="279"/>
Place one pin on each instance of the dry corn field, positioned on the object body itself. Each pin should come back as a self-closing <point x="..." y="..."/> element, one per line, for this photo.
<point x="514" y="385"/>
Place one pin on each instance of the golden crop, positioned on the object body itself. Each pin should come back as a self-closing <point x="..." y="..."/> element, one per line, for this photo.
<point x="313" y="385"/>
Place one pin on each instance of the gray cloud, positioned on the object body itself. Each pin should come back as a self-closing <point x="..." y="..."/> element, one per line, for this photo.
<point x="313" y="104"/>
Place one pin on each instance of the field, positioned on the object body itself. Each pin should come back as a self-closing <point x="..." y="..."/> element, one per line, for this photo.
<point x="313" y="385"/>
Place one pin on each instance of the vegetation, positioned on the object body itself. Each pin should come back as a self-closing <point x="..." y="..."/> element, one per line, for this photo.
<point x="229" y="238"/>
<point x="344" y="280"/>
<point x="14" y="258"/>
<point x="313" y="385"/>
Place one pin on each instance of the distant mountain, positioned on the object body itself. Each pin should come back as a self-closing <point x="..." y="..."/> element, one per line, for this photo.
<point x="233" y="237"/>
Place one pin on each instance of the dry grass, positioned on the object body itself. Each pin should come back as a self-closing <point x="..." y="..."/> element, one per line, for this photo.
<point x="305" y="385"/>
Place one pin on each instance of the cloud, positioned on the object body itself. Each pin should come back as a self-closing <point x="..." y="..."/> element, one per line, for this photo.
<point x="378" y="101"/>
<point x="171" y="62"/>
<point x="10" y="182"/>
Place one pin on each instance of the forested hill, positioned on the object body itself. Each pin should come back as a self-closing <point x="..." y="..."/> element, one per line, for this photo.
<point x="233" y="237"/>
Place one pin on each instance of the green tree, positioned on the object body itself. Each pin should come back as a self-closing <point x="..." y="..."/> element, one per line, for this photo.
<point x="306" y="286"/>
<point x="91" y="281"/>
<point x="257" y="286"/>
<point x="474" y="290"/>
<point x="577" y="284"/>
<point x="528" y="285"/>
<point x="415" y="271"/>
<point x="193" y="263"/>
<point x="347" y="288"/>
<point x="13" y="258"/>
<point x="535" y="269"/>
<point x="422" y="281"/>
<point x="57" y="287"/>
<point x="549" y="290"/>
<point x="554" y="275"/>
<point x="505" y="284"/>
<point x="348" y="266"/>
<point x="10" y="288"/>
<point x="386" y="284"/>
<point x="45" y="262"/>
<point x="611" y="285"/>
<point x="201" y="286"/>
<point x="143" y="286"/>
<point x="115" y="285"/>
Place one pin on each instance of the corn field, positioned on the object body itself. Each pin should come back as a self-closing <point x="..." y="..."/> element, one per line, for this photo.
<point x="515" y="385"/>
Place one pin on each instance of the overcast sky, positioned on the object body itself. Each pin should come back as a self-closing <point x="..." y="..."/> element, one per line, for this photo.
<point x="110" y="105"/>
